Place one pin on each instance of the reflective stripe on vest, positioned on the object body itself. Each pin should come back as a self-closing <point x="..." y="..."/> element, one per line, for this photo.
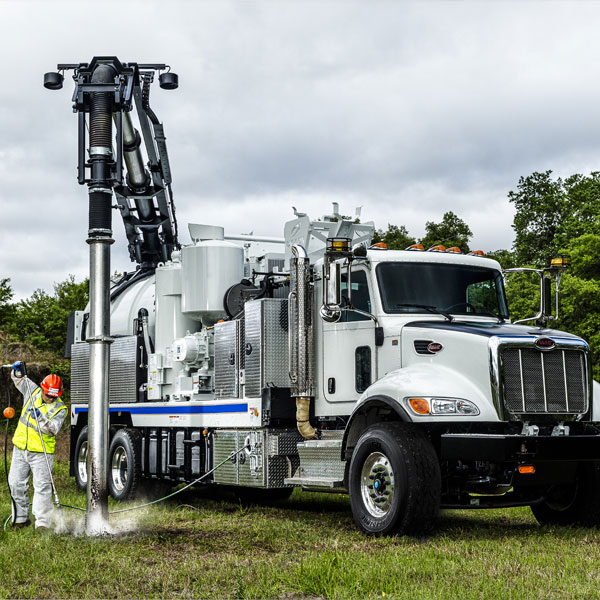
<point x="27" y="436"/>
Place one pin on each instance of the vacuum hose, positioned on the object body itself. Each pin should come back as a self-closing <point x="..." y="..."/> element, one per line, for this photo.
<point x="100" y="190"/>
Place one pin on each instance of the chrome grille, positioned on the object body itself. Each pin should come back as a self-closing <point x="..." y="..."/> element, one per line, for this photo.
<point x="544" y="382"/>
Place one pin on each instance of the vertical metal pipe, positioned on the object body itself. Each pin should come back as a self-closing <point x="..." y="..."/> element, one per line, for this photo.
<point x="98" y="423"/>
<point x="301" y="338"/>
<point x="99" y="240"/>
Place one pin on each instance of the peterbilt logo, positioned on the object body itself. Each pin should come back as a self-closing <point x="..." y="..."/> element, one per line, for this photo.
<point x="545" y="343"/>
<point x="434" y="347"/>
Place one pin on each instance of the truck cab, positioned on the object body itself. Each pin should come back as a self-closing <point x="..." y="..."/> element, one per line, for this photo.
<point x="447" y="399"/>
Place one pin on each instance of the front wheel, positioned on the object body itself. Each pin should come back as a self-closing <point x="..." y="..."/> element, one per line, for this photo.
<point x="394" y="481"/>
<point x="124" y="464"/>
<point x="575" y="504"/>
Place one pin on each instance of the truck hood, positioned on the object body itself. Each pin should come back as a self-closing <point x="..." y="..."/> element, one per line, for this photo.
<point x="488" y="329"/>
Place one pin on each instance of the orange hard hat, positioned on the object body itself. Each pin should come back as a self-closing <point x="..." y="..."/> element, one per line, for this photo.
<point x="52" y="386"/>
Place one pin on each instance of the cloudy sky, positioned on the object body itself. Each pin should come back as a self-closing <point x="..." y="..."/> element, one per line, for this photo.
<point x="406" y="109"/>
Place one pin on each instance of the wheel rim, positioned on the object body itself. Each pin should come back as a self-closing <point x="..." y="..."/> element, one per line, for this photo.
<point x="82" y="462"/>
<point x="377" y="484"/>
<point x="119" y="469"/>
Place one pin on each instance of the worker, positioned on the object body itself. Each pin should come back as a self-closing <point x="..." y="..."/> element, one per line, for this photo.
<point x="41" y="407"/>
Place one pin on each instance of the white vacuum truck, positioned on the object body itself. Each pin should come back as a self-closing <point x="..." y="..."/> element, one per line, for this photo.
<point x="394" y="376"/>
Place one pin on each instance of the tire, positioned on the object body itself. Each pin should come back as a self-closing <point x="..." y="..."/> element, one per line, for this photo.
<point x="124" y="464"/>
<point x="576" y="504"/>
<point x="80" y="459"/>
<point x="152" y="489"/>
<point x="394" y="481"/>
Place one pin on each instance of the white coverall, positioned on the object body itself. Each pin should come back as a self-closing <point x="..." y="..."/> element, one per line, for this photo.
<point x="24" y="461"/>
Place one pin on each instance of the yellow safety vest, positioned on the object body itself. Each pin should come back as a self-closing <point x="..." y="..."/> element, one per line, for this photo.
<point x="27" y="436"/>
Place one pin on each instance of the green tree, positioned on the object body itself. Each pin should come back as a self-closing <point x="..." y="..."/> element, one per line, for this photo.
<point x="551" y="212"/>
<point x="506" y="258"/>
<point x="41" y="320"/>
<point x="450" y="231"/>
<point x="396" y="237"/>
<point x="6" y="308"/>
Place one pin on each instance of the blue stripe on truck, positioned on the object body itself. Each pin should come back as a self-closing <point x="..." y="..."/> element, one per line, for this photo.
<point x="172" y="410"/>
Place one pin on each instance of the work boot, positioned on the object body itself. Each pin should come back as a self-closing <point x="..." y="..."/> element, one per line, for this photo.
<point x="21" y="525"/>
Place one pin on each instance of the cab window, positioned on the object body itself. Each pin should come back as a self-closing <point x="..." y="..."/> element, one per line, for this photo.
<point x="361" y="298"/>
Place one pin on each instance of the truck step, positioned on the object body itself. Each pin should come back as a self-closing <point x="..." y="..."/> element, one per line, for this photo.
<point x="315" y="483"/>
<point x="320" y="464"/>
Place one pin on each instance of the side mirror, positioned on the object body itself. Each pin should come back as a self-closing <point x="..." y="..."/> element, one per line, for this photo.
<point x="331" y="310"/>
<point x="546" y="295"/>
<point x="556" y="268"/>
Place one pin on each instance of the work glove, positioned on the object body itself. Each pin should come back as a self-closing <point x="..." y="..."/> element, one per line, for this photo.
<point x="18" y="368"/>
<point x="36" y="413"/>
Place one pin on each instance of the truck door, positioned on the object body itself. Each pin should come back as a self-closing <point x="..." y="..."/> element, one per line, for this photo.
<point x="349" y="353"/>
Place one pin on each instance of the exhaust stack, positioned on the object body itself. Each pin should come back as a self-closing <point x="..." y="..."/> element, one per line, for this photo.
<point x="301" y="339"/>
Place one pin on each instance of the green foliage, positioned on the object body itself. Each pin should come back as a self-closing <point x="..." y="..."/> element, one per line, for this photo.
<point x="396" y="237"/>
<point x="35" y="329"/>
<point x="450" y="231"/>
<point x="506" y="258"/>
<point x="41" y="320"/>
<point x="551" y="212"/>
<point x="6" y="308"/>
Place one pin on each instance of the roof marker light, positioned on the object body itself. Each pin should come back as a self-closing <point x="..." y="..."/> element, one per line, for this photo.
<point x="415" y="247"/>
<point x="454" y="250"/>
<point x="380" y="245"/>
<point x="477" y="253"/>
<point x="438" y="248"/>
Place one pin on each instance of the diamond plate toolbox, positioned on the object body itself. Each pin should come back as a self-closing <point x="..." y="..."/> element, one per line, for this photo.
<point x="266" y="345"/>
<point x="227" y="359"/>
<point x="271" y="457"/>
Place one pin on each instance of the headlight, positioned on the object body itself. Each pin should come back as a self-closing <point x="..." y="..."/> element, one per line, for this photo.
<point x="441" y="406"/>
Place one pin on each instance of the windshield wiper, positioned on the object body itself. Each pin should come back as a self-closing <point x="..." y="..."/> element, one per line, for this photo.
<point x="485" y="313"/>
<point x="428" y="308"/>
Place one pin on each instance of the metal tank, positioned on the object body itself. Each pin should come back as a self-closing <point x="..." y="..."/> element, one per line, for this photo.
<point x="124" y="308"/>
<point x="209" y="268"/>
<point x="171" y="322"/>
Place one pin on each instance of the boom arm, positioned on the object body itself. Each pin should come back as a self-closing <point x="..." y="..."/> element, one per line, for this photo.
<point x="144" y="196"/>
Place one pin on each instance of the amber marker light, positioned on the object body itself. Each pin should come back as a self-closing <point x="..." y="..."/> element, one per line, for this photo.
<point x="338" y="244"/>
<point x="454" y="250"/>
<point x="419" y="405"/>
<point x="526" y="469"/>
<point x="382" y="245"/>
<point x="438" y="248"/>
<point x="477" y="253"/>
<point x="560" y="262"/>
<point x="416" y="247"/>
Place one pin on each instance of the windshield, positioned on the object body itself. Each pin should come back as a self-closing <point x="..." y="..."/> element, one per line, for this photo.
<point x="457" y="289"/>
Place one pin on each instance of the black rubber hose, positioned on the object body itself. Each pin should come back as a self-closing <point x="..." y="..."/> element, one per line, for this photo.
<point x="100" y="211"/>
<point x="101" y="109"/>
<point x="100" y="216"/>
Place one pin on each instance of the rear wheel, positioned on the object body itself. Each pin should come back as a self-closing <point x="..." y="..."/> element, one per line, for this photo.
<point x="394" y="481"/>
<point x="80" y="459"/>
<point x="124" y="464"/>
<point x="576" y="504"/>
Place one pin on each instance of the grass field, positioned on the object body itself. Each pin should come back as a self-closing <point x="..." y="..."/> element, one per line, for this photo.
<point x="306" y="547"/>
